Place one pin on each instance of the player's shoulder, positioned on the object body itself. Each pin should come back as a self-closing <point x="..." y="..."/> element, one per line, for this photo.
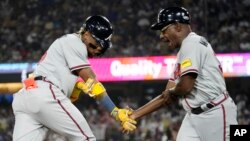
<point x="70" y="39"/>
<point x="71" y="36"/>
<point x="194" y="40"/>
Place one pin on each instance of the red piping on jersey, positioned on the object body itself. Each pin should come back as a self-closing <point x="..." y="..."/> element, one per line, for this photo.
<point x="224" y="122"/>
<point x="59" y="102"/>
<point x="44" y="79"/>
<point x="50" y="87"/>
<point x="172" y="79"/>
<point x="215" y="104"/>
<point x="187" y="102"/>
<point x="190" y="70"/>
<point x="79" y="66"/>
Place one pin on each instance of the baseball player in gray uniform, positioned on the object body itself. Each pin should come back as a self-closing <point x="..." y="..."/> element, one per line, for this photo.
<point x="45" y="101"/>
<point x="197" y="81"/>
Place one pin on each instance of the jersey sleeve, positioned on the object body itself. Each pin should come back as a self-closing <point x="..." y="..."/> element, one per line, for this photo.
<point x="172" y="77"/>
<point x="75" y="53"/>
<point x="191" y="57"/>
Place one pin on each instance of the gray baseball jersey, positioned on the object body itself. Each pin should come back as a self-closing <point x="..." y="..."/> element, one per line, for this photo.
<point x="65" y="55"/>
<point x="48" y="105"/>
<point x="196" y="55"/>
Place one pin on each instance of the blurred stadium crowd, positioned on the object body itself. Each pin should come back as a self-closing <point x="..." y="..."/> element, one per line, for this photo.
<point x="162" y="125"/>
<point x="29" y="27"/>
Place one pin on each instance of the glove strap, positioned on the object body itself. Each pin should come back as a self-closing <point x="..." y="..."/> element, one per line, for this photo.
<point x="114" y="113"/>
<point x="75" y="93"/>
<point x="91" y="88"/>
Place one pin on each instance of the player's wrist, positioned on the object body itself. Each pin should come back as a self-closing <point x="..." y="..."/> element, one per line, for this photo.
<point x="172" y="93"/>
<point x="107" y="103"/>
<point x="133" y="116"/>
<point x="114" y="112"/>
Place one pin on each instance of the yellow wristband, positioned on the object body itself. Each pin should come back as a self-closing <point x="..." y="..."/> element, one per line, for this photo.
<point x="97" y="89"/>
<point x="91" y="88"/>
<point x="114" y="113"/>
<point x="75" y="93"/>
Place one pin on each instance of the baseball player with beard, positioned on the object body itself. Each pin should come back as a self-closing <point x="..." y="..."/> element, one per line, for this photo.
<point x="45" y="102"/>
<point x="197" y="81"/>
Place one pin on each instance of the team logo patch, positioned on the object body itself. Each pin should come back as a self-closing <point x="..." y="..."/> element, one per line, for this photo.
<point x="186" y="63"/>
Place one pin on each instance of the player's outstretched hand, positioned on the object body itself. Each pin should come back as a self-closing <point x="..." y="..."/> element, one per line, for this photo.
<point x="122" y="115"/>
<point x="128" y="126"/>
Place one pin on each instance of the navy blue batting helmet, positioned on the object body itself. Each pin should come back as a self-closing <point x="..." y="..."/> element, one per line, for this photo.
<point x="100" y="29"/>
<point x="170" y="15"/>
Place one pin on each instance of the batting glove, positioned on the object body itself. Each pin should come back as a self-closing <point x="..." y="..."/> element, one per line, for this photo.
<point x="91" y="88"/>
<point x="128" y="127"/>
<point x="122" y="115"/>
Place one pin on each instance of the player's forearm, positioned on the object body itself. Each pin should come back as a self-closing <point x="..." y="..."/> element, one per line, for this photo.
<point x="94" y="88"/>
<point x="184" y="86"/>
<point x="179" y="91"/>
<point x="150" y="107"/>
<point x="105" y="101"/>
<point x="170" y="84"/>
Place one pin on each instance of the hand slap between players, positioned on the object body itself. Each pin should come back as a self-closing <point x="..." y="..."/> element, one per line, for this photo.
<point x="122" y="115"/>
<point x="129" y="126"/>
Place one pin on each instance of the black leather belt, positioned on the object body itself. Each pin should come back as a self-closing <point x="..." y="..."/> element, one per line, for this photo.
<point x="39" y="78"/>
<point x="43" y="79"/>
<point x="199" y="110"/>
<point x="209" y="105"/>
